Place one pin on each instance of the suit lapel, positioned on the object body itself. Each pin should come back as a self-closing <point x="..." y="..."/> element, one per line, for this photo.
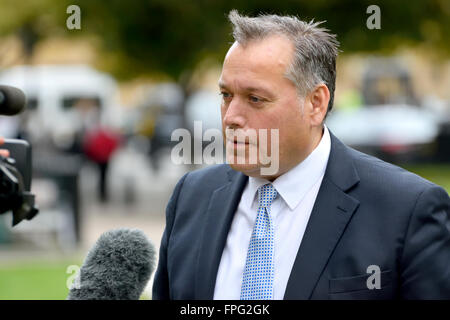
<point x="331" y="213"/>
<point x="220" y="213"/>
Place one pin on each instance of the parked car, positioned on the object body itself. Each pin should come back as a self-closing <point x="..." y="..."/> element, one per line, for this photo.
<point x="390" y="123"/>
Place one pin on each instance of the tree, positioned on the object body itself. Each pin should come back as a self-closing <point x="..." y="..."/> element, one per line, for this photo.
<point x="172" y="36"/>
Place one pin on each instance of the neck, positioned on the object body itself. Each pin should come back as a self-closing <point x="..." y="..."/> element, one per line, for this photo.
<point x="316" y="138"/>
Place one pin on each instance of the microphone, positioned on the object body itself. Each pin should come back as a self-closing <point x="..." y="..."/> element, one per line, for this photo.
<point x="117" y="267"/>
<point x="12" y="100"/>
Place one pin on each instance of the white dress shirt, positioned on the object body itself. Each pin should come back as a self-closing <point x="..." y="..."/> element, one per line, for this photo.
<point x="297" y="191"/>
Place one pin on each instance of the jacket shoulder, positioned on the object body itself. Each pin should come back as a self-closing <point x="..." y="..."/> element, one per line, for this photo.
<point x="211" y="175"/>
<point x="387" y="175"/>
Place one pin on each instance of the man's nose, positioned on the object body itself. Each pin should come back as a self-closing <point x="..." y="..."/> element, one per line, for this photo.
<point x="234" y="115"/>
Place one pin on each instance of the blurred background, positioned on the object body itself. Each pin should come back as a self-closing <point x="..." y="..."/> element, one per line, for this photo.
<point x="103" y="100"/>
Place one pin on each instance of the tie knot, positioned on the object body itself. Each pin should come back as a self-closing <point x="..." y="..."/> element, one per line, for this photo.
<point x="267" y="193"/>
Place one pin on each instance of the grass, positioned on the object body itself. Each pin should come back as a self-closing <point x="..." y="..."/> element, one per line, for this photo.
<point x="43" y="280"/>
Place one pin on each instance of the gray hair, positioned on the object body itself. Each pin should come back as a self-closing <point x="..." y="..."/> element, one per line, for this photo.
<point x="315" y="53"/>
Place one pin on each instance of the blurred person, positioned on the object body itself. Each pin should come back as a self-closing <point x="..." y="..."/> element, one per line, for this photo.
<point x="331" y="223"/>
<point x="98" y="143"/>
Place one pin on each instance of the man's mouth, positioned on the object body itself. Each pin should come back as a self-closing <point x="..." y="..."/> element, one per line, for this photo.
<point x="237" y="142"/>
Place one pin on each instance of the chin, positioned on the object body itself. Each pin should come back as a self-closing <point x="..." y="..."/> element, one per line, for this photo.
<point x="252" y="171"/>
<point x="247" y="169"/>
<point x="250" y="166"/>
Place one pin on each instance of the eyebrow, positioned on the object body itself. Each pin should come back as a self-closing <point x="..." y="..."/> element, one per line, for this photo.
<point x="222" y="85"/>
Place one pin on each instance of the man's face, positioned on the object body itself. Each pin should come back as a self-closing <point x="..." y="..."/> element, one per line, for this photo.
<point x="257" y="95"/>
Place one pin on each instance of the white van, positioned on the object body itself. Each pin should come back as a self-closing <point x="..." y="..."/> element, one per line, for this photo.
<point x="51" y="92"/>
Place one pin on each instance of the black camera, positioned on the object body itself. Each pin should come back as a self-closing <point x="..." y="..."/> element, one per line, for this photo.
<point x="16" y="170"/>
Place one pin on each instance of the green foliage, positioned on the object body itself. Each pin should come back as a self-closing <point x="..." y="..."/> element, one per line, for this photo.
<point x="172" y="36"/>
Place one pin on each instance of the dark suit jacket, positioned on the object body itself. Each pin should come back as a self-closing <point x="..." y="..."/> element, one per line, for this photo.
<point x="367" y="212"/>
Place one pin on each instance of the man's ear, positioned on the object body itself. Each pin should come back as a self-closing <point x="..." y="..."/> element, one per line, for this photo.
<point x="318" y="100"/>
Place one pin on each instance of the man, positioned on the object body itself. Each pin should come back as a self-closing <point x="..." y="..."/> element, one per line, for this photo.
<point x="331" y="223"/>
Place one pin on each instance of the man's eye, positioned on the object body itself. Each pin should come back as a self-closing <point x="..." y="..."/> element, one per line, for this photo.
<point x="255" y="99"/>
<point x="225" y="95"/>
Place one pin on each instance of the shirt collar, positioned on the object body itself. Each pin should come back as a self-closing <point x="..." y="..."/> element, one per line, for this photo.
<point x="293" y="185"/>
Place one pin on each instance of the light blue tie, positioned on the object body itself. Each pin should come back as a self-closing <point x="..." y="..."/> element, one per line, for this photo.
<point x="257" y="282"/>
